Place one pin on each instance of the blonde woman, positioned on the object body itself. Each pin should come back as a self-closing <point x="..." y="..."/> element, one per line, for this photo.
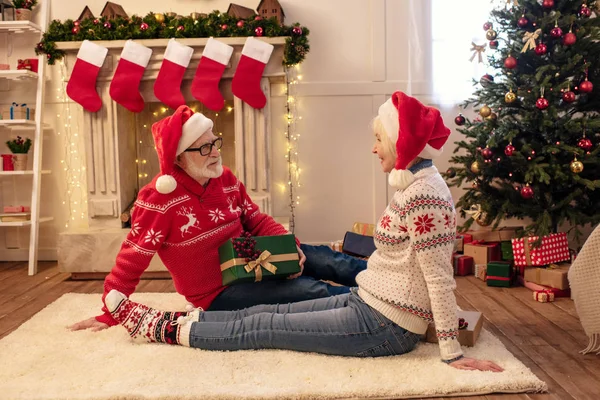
<point x="408" y="282"/>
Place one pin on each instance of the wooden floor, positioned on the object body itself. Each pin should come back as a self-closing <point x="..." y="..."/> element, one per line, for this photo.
<point x="545" y="337"/>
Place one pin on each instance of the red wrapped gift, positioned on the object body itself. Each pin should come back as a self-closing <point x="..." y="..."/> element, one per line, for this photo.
<point x="535" y="286"/>
<point x="463" y="265"/>
<point x="30" y="64"/>
<point x="543" y="296"/>
<point x="467" y="238"/>
<point x="17" y="209"/>
<point x="554" y="248"/>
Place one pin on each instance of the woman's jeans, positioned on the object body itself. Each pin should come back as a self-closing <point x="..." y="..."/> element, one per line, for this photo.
<point x="341" y="325"/>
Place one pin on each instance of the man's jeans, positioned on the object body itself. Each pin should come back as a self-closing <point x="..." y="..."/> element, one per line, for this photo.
<point x="342" y="325"/>
<point x="322" y="263"/>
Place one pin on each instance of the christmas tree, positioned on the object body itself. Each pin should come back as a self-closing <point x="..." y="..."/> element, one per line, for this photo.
<point x="532" y="152"/>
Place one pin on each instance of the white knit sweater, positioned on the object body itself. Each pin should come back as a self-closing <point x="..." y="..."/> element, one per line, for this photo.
<point x="409" y="278"/>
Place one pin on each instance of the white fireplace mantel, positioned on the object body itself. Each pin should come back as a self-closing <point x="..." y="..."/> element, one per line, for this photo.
<point x="111" y="149"/>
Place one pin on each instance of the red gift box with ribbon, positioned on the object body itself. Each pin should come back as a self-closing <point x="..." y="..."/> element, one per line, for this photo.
<point x="463" y="265"/>
<point x="30" y="64"/>
<point x="553" y="249"/>
<point x="543" y="296"/>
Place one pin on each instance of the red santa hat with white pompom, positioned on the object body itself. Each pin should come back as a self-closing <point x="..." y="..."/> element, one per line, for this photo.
<point x="417" y="131"/>
<point x="172" y="135"/>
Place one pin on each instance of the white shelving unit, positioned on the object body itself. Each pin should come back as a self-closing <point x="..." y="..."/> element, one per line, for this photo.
<point x="27" y="77"/>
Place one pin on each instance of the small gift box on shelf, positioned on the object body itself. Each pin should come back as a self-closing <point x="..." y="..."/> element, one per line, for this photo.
<point x="555" y="276"/>
<point x="499" y="273"/>
<point x="363" y="228"/>
<point x="30" y="64"/>
<point x="543" y="296"/>
<point x="554" y="248"/>
<point x="18" y="111"/>
<point x="482" y="253"/>
<point x="17" y="209"/>
<point x="257" y="258"/>
<point x="468" y="331"/>
<point x="498" y="235"/>
<point x="4" y="67"/>
<point x="481" y="271"/>
<point x="463" y="265"/>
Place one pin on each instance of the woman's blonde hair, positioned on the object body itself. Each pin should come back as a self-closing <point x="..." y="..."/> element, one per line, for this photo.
<point x="388" y="146"/>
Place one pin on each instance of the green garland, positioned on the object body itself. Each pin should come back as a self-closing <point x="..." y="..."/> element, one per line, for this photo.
<point x="215" y="25"/>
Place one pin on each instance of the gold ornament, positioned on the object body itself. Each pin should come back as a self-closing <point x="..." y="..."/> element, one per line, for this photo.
<point x="160" y="18"/>
<point x="510" y="97"/>
<point x="485" y="111"/>
<point x="475" y="167"/>
<point x="478" y="215"/>
<point x="491" y="34"/>
<point x="171" y="14"/>
<point x="576" y="166"/>
<point x="492" y="117"/>
<point x="195" y="16"/>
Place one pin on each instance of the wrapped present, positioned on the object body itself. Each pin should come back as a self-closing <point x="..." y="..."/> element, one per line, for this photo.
<point x="481" y="271"/>
<point x="555" y="276"/>
<point x="506" y="251"/>
<point x="4" y="67"/>
<point x="337" y="245"/>
<point x="499" y="273"/>
<point x="254" y="259"/>
<point x="363" y="228"/>
<point x="482" y="253"/>
<point x="358" y="245"/>
<point x="17" y="209"/>
<point x="472" y="321"/>
<point x="21" y="111"/>
<point x="463" y="265"/>
<point x="543" y="296"/>
<point x="554" y="248"/>
<point x="498" y="235"/>
<point x="534" y="286"/>
<point x="459" y="244"/>
<point x="467" y="238"/>
<point x="30" y="64"/>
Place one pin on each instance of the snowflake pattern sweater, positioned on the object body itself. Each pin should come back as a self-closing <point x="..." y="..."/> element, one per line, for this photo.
<point x="185" y="228"/>
<point x="409" y="278"/>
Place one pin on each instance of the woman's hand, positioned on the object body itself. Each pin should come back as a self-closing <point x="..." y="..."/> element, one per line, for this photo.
<point x="301" y="262"/>
<point x="472" y="364"/>
<point x="90" y="323"/>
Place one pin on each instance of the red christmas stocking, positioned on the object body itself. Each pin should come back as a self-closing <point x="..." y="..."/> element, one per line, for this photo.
<point x="205" y="86"/>
<point x="124" y="87"/>
<point x="167" y="87"/>
<point x="82" y="84"/>
<point x="246" y="81"/>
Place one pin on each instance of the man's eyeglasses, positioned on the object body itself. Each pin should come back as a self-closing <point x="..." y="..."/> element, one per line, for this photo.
<point x="205" y="149"/>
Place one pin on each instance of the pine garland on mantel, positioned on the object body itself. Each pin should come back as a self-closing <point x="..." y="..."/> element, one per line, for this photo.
<point x="166" y="26"/>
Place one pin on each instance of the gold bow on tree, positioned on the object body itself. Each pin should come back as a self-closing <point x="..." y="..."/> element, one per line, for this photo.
<point x="477" y="50"/>
<point x="529" y="38"/>
<point x="261" y="262"/>
<point x="475" y="211"/>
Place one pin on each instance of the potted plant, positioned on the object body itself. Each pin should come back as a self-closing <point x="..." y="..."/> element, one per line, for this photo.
<point x="23" y="9"/>
<point x="19" y="148"/>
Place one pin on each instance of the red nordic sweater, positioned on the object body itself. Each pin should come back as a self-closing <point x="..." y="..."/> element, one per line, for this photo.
<point x="185" y="228"/>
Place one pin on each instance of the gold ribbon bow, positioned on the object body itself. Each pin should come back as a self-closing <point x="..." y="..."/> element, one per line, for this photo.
<point x="515" y="2"/>
<point x="261" y="262"/>
<point x="475" y="211"/>
<point x="529" y="38"/>
<point x="477" y="50"/>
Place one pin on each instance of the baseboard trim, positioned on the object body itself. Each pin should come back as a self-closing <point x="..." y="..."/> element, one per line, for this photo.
<point x="50" y="254"/>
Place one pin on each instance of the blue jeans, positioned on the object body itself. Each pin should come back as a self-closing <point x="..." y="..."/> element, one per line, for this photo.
<point x="322" y="263"/>
<point x="342" y="325"/>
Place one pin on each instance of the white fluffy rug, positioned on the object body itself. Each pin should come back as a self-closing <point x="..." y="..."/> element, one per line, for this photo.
<point x="43" y="360"/>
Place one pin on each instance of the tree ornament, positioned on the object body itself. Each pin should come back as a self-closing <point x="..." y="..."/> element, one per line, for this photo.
<point x="96" y="21"/>
<point x="450" y="172"/>
<point x="75" y="30"/>
<point x="143" y="26"/>
<point x="492" y="117"/>
<point x="459" y="120"/>
<point x="556" y="32"/>
<point x="586" y="86"/>
<point x="585" y="11"/>
<point x="487" y="26"/>
<point x="76" y="23"/>
<point x="509" y="150"/>
<point x="542" y="103"/>
<point x="510" y="62"/>
<point x="486" y="80"/>
<point x="107" y="25"/>
<point x="510" y="97"/>
<point x="160" y="18"/>
<point x="491" y="34"/>
<point x="180" y="28"/>
<point x="487" y="153"/>
<point x="548" y="4"/>
<point x="475" y="167"/>
<point x="297" y="30"/>
<point x="258" y="18"/>
<point x="585" y="143"/>
<point x="224" y="27"/>
<point x="240" y="23"/>
<point x="541" y="49"/>
<point x="478" y="215"/>
<point x="485" y="111"/>
<point x="522" y="22"/>
<point x="493" y="44"/>
<point x="576" y="166"/>
<point x="527" y="192"/>
<point x="569" y="39"/>
<point x="568" y="96"/>
<point x="258" y="31"/>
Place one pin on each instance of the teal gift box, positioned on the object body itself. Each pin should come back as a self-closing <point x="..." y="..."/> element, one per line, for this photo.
<point x="278" y="259"/>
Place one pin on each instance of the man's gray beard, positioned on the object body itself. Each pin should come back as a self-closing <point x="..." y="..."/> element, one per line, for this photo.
<point x="204" y="172"/>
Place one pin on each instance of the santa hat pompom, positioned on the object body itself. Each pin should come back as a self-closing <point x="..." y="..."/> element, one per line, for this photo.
<point x="165" y="184"/>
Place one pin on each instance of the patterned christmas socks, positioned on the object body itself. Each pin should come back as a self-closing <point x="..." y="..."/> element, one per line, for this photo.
<point x="146" y="324"/>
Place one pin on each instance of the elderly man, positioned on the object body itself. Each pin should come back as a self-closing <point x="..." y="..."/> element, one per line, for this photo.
<point x="191" y="208"/>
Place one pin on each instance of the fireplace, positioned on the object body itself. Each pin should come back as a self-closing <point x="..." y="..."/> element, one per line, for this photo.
<point x="120" y="154"/>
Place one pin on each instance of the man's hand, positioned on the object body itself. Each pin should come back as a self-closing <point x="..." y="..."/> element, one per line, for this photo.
<point x="301" y="262"/>
<point x="473" y="364"/>
<point x="90" y="323"/>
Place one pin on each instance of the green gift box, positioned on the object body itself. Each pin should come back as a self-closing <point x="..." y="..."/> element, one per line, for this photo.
<point x="278" y="259"/>
<point x="499" y="273"/>
<point x="507" y="252"/>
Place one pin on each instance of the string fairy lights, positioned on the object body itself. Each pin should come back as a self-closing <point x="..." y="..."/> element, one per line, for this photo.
<point x="292" y="138"/>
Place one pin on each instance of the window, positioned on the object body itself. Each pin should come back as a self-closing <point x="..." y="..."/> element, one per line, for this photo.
<point x="274" y="11"/>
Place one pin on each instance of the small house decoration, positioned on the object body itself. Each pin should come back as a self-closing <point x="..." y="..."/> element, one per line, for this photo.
<point x="112" y="10"/>
<point x="7" y="10"/>
<point x="86" y="14"/>
<point x="241" y="12"/>
<point x="271" y="8"/>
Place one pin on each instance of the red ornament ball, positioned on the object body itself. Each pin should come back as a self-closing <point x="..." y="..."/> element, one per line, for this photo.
<point x="548" y="3"/>
<point x="586" y="86"/>
<point x="568" y="97"/>
<point x="459" y="120"/>
<point x="223" y="27"/>
<point x="526" y="192"/>
<point x="487" y="26"/>
<point x="585" y="11"/>
<point x="96" y="21"/>
<point x="487" y="153"/>
<point x="542" y="103"/>
<point x="509" y="150"/>
<point x="143" y="26"/>
<point x="257" y="18"/>
<point x="556" y="32"/>
<point x="510" y="62"/>
<point x="49" y="56"/>
<point x="180" y="28"/>
<point x="240" y="24"/>
<point x="569" y="39"/>
<point x="541" y="49"/>
<point x="493" y="44"/>
<point x="522" y="22"/>
<point x="297" y="30"/>
<point x="258" y="31"/>
<point x="107" y="25"/>
<point x="75" y="30"/>
<point x="585" y="144"/>
<point x="76" y="23"/>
